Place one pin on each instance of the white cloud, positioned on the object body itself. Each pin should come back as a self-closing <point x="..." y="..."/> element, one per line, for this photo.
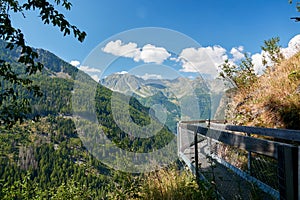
<point x="151" y="76"/>
<point x="75" y="63"/>
<point x="148" y="53"/>
<point x="202" y="60"/>
<point x="122" y="72"/>
<point x="95" y="77"/>
<point x="93" y="72"/>
<point x="88" y="69"/>
<point x="292" y="48"/>
<point x="118" y="48"/>
<point x="153" y="54"/>
<point x="237" y="54"/>
<point x="257" y="62"/>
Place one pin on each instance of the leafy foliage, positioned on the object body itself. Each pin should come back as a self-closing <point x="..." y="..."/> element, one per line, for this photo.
<point x="297" y="5"/>
<point x="273" y="52"/>
<point x="242" y="75"/>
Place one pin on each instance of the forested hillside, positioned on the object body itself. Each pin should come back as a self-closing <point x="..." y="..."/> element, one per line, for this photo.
<point x="44" y="157"/>
<point x="183" y="98"/>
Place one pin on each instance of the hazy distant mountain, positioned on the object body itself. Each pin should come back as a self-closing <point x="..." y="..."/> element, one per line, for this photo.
<point x="124" y="83"/>
<point x="182" y="97"/>
<point x="179" y="87"/>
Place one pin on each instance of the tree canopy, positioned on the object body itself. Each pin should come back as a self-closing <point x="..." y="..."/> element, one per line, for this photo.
<point x="13" y="108"/>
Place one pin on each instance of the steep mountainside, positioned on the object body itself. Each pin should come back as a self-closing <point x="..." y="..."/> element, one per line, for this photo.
<point x="273" y="101"/>
<point x="50" y="151"/>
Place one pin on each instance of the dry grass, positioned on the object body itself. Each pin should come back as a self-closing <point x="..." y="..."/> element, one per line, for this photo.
<point x="173" y="184"/>
<point x="164" y="184"/>
<point x="273" y="101"/>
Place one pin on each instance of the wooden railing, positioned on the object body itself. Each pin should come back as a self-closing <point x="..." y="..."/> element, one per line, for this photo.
<point x="285" y="152"/>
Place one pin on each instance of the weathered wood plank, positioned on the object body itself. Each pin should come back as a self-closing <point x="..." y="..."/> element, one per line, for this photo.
<point x="201" y="121"/>
<point x="196" y="155"/>
<point x="192" y="122"/>
<point x="288" y="156"/>
<point x="286" y="134"/>
<point x="264" y="147"/>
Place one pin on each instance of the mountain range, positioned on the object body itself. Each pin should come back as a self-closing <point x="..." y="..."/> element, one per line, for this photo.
<point x="183" y="98"/>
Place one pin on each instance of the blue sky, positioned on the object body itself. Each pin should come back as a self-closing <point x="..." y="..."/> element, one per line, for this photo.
<point x="228" y="24"/>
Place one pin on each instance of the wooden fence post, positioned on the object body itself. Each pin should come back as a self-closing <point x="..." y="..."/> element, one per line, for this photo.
<point x="196" y="155"/>
<point x="178" y="138"/>
<point x="249" y="159"/>
<point x="288" y="174"/>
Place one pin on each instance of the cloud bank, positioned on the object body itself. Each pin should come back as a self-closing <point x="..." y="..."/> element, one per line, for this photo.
<point x="237" y="53"/>
<point x="93" y="72"/>
<point x="202" y="60"/>
<point x="148" y="53"/>
<point x="147" y="76"/>
<point x="292" y="48"/>
<point x="88" y="69"/>
<point x="206" y="60"/>
<point x="75" y="63"/>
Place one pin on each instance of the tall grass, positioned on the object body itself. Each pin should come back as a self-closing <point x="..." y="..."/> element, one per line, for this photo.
<point x="173" y="184"/>
<point x="164" y="184"/>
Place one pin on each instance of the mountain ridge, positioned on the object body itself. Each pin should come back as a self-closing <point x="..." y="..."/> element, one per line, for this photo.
<point x="177" y="91"/>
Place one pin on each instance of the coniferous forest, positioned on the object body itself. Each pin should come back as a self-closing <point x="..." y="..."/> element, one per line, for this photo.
<point x="44" y="158"/>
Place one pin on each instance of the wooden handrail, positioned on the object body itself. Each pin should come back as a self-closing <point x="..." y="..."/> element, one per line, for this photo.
<point x="287" y="155"/>
<point x="286" y="134"/>
<point x="256" y="145"/>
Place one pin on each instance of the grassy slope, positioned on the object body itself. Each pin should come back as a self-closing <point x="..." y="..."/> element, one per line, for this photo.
<point x="273" y="101"/>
